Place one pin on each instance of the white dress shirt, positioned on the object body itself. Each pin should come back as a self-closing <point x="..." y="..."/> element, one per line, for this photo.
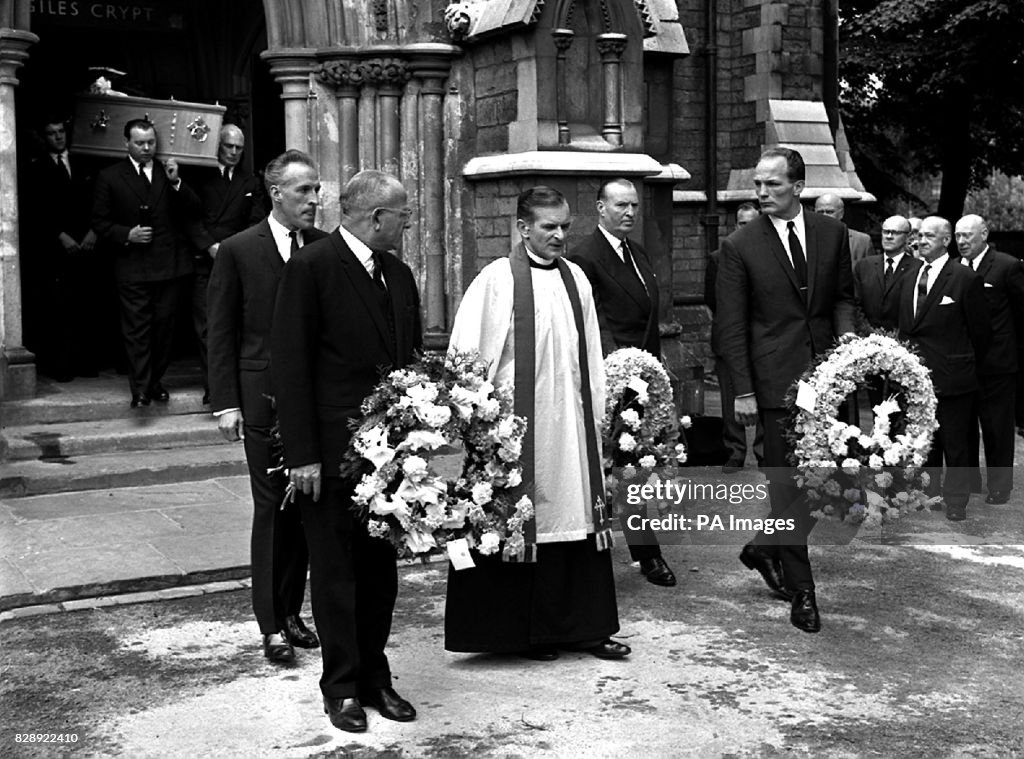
<point x="782" y="229"/>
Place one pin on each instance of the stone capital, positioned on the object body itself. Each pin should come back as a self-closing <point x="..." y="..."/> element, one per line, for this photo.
<point x="291" y="69"/>
<point x="611" y="45"/>
<point x="14" y="45"/>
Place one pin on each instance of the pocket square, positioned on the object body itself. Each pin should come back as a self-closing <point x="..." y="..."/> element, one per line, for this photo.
<point x="989" y="284"/>
<point x="248" y="194"/>
<point x="946" y="300"/>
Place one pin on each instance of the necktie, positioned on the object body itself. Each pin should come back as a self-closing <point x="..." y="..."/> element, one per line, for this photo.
<point x="378" y="272"/>
<point x="797" y="252"/>
<point x="143" y="177"/>
<point x="627" y="258"/>
<point x="888" y="270"/>
<point x="63" y="166"/>
<point x="922" y="289"/>
<point x="227" y="175"/>
<point x="294" y="234"/>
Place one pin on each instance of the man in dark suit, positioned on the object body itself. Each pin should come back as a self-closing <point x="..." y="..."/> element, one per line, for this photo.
<point x="734" y="434"/>
<point x="347" y="308"/>
<point x="626" y="297"/>
<point x="879" y="279"/>
<point x="232" y="200"/>
<point x="243" y="288"/>
<point x="141" y="210"/>
<point x="995" y="405"/>
<point x="832" y="205"/>
<point x="944" y="314"/>
<point x="785" y="291"/>
<point x="60" y="270"/>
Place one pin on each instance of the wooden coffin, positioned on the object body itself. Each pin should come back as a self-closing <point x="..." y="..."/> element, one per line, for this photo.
<point x="185" y="131"/>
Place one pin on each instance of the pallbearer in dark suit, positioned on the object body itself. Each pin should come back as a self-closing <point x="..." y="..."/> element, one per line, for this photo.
<point x="1003" y="277"/>
<point x="785" y="292"/>
<point x="232" y="200"/>
<point x="347" y="309"/>
<point x="142" y="209"/>
<point x="61" y="272"/>
<point x="944" y="314"/>
<point x="243" y="288"/>
<point x="626" y="297"/>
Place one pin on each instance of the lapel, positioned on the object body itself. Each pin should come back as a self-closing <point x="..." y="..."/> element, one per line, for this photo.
<point x="986" y="263"/>
<point x="938" y="289"/>
<point x="134" y="181"/>
<point x="267" y="249"/>
<point x="778" y="252"/>
<point x="811" y="253"/>
<point x="228" y="193"/>
<point x="619" y="272"/>
<point x="364" y="288"/>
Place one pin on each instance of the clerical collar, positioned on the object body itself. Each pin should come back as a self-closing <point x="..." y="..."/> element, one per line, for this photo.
<point x="536" y="262"/>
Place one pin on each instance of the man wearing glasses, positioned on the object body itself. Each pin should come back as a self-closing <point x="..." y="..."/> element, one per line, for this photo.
<point x="878" y="279"/>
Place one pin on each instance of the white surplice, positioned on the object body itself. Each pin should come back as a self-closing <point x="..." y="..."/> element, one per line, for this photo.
<point x="484" y="323"/>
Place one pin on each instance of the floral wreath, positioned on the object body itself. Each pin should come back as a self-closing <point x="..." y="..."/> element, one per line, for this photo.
<point x="434" y="405"/>
<point x="639" y="431"/>
<point x="851" y="475"/>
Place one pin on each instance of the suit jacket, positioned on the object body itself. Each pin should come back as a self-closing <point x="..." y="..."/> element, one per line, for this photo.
<point x="243" y="288"/>
<point x="770" y="332"/>
<point x="1003" y="277"/>
<point x="860" y="246"/>
<point x="627" y="313"/>
<point x="120" y="192"/>
<point x="227" y="208"/>
<point x="880" y="302"/>
<point x="330" y="341"/>
<point x="951" y="330"/>
<point x="54" y="204"/>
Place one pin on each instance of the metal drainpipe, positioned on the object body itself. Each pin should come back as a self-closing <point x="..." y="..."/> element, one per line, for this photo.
<point x="710" y="219"/>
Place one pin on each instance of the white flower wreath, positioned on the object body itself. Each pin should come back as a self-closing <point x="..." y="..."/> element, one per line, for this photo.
<point x="848" y="473"/>
<point x="437" y="404"/>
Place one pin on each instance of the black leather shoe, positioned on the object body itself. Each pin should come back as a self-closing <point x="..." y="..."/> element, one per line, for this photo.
<point x="140" y="399"/>
<point x="159" y="393"/>
<point x="770" y="568"/>
<point x="298" y="634"/>
<point x="345" y="714"/>
<point x="609" y="649"/>
<point x="277" y="648"/>
<point x="956" y="512"/>
<point x="996" y="497"/>
<point x="732" y="465"/>
<point x="389" y="704"/>
<point x="804" y="614"/>
<point x="540" y="653"/>
<point x="657" y="572"/>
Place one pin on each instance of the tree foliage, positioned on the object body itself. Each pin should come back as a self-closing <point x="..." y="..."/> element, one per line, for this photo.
<point x="930" y="86"/>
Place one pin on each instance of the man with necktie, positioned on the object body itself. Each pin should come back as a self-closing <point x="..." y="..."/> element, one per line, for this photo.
<point x="626" y="297"/>
<point x="944" y="314"/>
<point x="879" y="279"/>
<point x="142" y="210"/>
<point x="785" y="293"/>
<point x="243" y="289"/>
<point x="995" y="406"/>
<point x="232" y="200"/>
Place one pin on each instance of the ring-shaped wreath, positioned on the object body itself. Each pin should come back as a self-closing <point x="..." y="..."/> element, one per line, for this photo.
<point x="414" y="422"/>
<point x="850" y="474"/>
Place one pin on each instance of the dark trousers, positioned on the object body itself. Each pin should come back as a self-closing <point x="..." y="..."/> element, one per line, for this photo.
<point x="147" y="328"/>
<point x="643" y="544"/>
<point x="278" y="546"/>
<point x="787" y="502"/>
<point x="734" y="434"/>
<point x="200" y="284"/>
<point x="995" y="409"/>
<point x="353" y="585"/>
<point x="951" y="445"/>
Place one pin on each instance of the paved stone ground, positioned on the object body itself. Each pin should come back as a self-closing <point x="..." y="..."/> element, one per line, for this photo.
<point x="920" y="656"/>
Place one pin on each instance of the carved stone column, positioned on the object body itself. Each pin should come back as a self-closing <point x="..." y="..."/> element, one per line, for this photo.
<point x="389" y="75"/>
<point x="17" y="367"/>
<point x="610" y="46"/>
<point x="291" y="69"/>
<point x="563" y="40"/>
<point x="345" y="76"/>
<point x="430" y="63"/>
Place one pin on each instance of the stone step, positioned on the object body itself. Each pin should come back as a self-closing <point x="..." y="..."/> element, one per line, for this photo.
<point x="141" y="432"/>
<point x="121" y="469"/>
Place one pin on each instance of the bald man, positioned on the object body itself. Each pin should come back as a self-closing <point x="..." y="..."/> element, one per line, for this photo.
<point x="232" y="200"/>
<point x="878" y="279"/>
<point x="997" y="374"/>
<point x="832" y="205"/>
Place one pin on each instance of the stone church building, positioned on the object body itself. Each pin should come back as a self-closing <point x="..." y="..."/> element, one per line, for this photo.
<point x="468" y="103"/>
